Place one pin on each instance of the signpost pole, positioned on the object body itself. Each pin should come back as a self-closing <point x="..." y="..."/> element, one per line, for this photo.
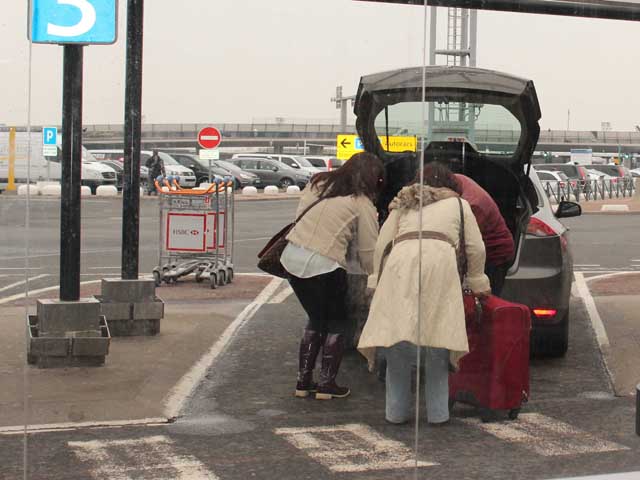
<point x="71" y="172"/>
<point x="132" y="134"/>
<point x="11" y="181"/>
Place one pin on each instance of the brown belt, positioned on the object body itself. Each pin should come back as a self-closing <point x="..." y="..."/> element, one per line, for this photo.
<point x="426" y="235"/>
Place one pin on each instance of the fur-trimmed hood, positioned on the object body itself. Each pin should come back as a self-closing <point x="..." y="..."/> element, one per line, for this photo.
<point x="409" y="197"/>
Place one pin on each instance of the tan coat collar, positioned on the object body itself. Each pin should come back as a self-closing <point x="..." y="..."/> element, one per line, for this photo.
<point x="409" y="197"/>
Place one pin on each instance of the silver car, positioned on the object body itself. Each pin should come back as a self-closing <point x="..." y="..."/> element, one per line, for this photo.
<point x="487" y="122"/>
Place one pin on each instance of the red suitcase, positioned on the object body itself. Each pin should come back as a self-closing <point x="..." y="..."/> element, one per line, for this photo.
<point x="494" y="375"/>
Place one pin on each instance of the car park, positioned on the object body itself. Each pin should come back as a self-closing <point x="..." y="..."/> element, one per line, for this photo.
<point x="572" y="171"/>
<point x="172" y="168"/>
<point x="324" y="163"/>
<point x="541" y="273"/>
<point x="294" y="161"/>
<point x="242" y="177"/>
<point x="118" y="168"/>
<point x="273" y="172"/>
<point x="616" y="172"/>
<point x="117" y="156"/>
<point x="201" y="167"/>
<point x="555" y="180"/>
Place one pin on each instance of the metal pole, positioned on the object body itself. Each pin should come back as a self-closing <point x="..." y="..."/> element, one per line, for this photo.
<point x="209" y="170"/>
<point x="473" y="40"/>
<point x="71" y="173"/>
<point x="132" y="134"/>
<point x="343" y="116"/>
<point x="638" y="409"/>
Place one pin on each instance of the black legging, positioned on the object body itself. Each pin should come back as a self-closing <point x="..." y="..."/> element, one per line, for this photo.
<point x="323" y="297"/>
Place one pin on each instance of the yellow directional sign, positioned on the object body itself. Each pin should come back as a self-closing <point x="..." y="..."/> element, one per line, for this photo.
<point x="348" y="145"/>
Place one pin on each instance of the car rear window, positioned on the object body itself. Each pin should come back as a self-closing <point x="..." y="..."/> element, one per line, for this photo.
<point x="317" y="162"/>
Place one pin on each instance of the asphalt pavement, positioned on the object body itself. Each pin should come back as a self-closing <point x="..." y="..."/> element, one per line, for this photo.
<point x="243" y="421"/>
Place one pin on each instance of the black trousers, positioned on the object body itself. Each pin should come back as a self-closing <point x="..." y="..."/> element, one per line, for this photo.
<point x="323" y="297"/>
<point x="497" y="274"/>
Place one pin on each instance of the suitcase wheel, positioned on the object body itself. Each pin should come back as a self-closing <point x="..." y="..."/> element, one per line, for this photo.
<point x="513" y="413"/>
<point x="488" y="415"/>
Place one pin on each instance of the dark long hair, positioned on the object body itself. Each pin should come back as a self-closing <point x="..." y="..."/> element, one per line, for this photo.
<point x="438" y="175"/>
<point x="362" y="174"/>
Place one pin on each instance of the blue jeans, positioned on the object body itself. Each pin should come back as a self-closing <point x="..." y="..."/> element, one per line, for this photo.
<point x="400" y="358"/>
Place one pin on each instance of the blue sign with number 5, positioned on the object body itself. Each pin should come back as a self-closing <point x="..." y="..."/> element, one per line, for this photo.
<point x="73" y="21"/>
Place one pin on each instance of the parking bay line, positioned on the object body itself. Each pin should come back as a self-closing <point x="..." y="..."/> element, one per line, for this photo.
<point x="22" y="282"/>
<point x="351" y="448"/>
<point x="147" y="457"/>
<point x="546" y="436"/>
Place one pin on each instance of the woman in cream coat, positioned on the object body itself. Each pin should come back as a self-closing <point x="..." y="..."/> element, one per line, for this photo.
<point x="393" y="319"/>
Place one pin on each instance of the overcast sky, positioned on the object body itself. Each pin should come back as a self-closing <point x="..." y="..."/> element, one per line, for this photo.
<point x="242" y="60"/>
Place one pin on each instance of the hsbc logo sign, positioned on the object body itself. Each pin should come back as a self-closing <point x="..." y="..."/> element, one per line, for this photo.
<point x="186" y="232"/>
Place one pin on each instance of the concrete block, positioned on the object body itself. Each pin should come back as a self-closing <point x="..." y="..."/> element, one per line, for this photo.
<point x="90" y="347"/>
<point x="293" y="190"/>
<point x="28" y="189"/>
<point x="115" y="310"/>
<point x="51" y="190"/>
<point x="107" y="191"/>
<point x="56" y="317"/>
<point x="148" y="310"/>
<point x="76" y="349"/>
<point x="271" y="190"/>
<point x="85" y="191"/>
<point x="134" y="328"/>
<point x="128" y="291"/>
<point x="249" y="191"/>
<point x="204" y="185"/>
<point x="50" y="347"/>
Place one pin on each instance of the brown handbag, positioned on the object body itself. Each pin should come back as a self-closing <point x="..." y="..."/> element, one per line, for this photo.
<point x="269" y="256"/>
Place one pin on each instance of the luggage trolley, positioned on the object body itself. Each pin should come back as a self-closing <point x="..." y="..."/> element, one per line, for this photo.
<point x="194" y="232"/>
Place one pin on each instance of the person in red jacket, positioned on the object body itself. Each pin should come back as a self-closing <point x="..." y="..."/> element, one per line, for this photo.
<point x="498" y="240"/>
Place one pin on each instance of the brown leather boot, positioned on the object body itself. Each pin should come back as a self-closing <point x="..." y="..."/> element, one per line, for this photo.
<point x="310" y="345"/>
<point x="331" y="359"/>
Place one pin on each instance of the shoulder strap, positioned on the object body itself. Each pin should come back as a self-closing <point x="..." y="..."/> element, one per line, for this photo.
<point x="462" y="246"/>
<point x="307" y="209"/>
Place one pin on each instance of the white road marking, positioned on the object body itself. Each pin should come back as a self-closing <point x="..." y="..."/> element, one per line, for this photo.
<point x="148" y="457"/>
<point x="635" y="259"/>
<point x="185" y="387"/>
<point x="592" y="310"/>
<point x="242" y="240"/>
<point x="20" y="268"/>
<point x="21" y="282"/>
<point x="608" y="275"/>
<point x="586" y="265"/>
<point x="546" y="436"/>
<point x="282" y="296"/>
<point x="62" y="427"/>
<point x="104" y="268"/>
<point x="351" y="448"/>
<point x="607" y="476"/>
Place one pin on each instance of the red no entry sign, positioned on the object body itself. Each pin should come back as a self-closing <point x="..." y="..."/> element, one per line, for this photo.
<point x="209" y="137"/>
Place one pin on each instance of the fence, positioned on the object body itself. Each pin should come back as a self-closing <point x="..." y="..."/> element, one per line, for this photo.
<point x="590" y="189"/>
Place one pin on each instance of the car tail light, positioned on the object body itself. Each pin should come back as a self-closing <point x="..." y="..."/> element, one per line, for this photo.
<point x="583" y="173"/>
<point x="329" y="166"/>
<point x="561" y="184"/>
<point x="538" y="228"/>
<point x="545" y="312"/>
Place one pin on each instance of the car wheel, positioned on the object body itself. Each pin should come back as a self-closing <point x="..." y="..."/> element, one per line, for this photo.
<point x="554" y="342"/>
<point x="286" y="183"/>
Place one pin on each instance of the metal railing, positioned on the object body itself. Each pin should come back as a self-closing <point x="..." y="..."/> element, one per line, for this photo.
<point x="590" y="190"/>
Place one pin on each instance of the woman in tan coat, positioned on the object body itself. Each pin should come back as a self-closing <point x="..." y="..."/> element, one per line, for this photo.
<point x="401" y="295"/>
<point x="341" y="217"/>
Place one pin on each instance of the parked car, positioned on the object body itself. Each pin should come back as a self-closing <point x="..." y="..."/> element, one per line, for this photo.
<point x="273" y="172"/>
<point x="617" y="172"/>
<point x="635" y="173"/>
<point x="243" y="178"/>
<point x="324" y="163"/>
<point x="172" y="167"/>
<point x="294" y="161"/>
<point x="541" y="274"/>
<point x="118" y="168"/>
<point x="115" y="155"/>
<point x="555" y="180"/>
<point x="573" y="172"/>
<point x="93" y="173"/>
<point x="201" y="167"/>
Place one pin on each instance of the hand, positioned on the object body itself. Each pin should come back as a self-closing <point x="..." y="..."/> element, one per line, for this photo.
<point x="482" y="295"/>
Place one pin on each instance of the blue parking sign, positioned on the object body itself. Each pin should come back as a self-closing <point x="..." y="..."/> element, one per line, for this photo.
<point x="49" y="136"/>
<point x="73" y="21"/>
